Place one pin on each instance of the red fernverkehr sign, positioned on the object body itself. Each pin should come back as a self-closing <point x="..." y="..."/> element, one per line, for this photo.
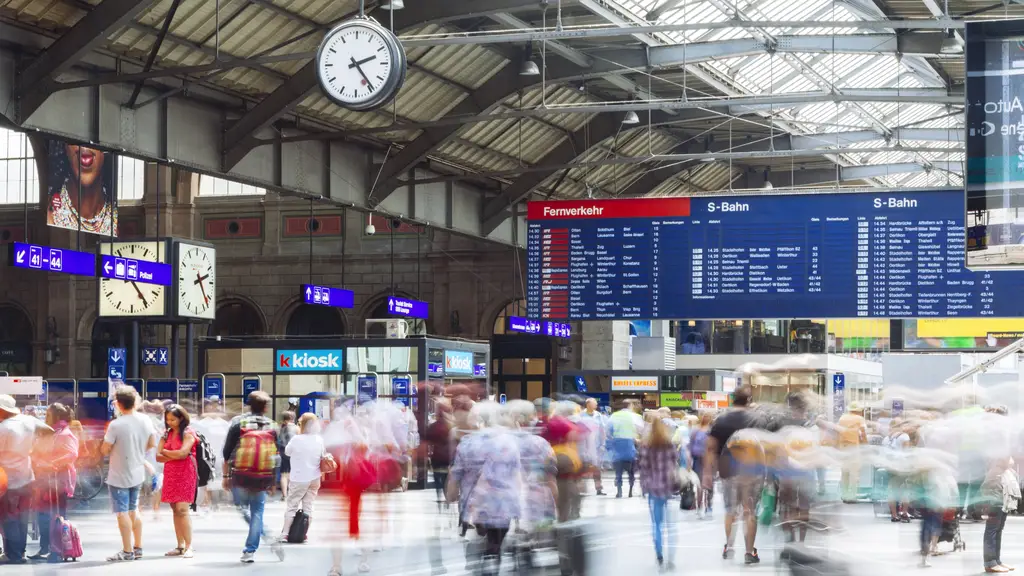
<point x="597" y="209"/>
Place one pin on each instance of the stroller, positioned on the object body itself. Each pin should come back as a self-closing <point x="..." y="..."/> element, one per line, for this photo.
<point x="950" y="531"/>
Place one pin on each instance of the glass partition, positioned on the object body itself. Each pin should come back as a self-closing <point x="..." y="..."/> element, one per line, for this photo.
<point x="382" y="359"/>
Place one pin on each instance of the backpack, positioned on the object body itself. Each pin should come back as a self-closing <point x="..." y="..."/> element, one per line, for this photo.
<point x="64" y="540"/>
<point x="256" y="457"/>
<point x="299" y="528"/>
<point x="206" y="460"/>
<point x="698" y="444"/>
<point x="693" y="343"/>
<point x="567" y="457"/>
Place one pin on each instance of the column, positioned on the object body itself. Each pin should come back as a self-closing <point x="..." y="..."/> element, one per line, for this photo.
<point x="605" y="345"/>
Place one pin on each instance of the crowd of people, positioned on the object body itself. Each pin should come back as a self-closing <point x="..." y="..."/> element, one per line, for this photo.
<point x="514" y="475"/>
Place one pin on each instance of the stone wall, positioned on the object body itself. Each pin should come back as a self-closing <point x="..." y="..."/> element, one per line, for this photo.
<point x="460" y="277"/>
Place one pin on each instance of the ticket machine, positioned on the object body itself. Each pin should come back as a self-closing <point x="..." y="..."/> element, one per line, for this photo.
<point x="319" y="403"/>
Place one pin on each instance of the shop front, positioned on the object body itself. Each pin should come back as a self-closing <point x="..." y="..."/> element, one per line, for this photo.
<point x="641" y="388"/>
<point x="303" y="373"/>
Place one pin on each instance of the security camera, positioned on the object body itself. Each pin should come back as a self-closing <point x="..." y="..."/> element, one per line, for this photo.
<point x="371" y="229"/>
<point x="395" y="223"/>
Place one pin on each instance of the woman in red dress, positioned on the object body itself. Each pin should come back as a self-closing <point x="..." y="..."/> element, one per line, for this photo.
<point x="177" y="451"/>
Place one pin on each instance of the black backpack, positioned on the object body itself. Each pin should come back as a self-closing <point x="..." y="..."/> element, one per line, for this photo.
<point x="299" y="528"/>
<point x="206" y="460"/>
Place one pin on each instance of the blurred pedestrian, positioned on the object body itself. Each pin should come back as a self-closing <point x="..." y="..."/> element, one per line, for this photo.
<point x="54" y="462"/>
<point x="624" y="433"/>
<point x="305" y="450"/>
<point x="659" y="476"/>
<point x="177" y="451"/>
<point x="288" y="430"/>
<point x="18" y="436"/>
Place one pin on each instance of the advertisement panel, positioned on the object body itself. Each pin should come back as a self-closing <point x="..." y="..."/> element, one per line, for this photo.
<point x="81" y="190"/>
<point x="458" y="362"/>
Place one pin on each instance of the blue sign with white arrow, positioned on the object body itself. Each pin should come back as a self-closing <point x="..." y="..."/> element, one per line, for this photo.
<point x="406" y="307"/>
<point x="117" y="359"/>
<point x="36" y="257"/>
<point x="132" y="270"/>
<point x="155" y="356"/>
<point x="327" y="296"/>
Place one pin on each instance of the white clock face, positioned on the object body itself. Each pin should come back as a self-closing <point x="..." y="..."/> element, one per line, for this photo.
<point x="356" y="64"/>
<point x="121" y="298"/>
<point x="197" y="281"/>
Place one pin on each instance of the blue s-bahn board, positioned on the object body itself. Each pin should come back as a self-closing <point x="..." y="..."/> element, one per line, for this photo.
<point x="848" y="255"/>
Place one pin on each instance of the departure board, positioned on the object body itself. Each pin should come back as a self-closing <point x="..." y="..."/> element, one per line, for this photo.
<point x="844" y="255"/>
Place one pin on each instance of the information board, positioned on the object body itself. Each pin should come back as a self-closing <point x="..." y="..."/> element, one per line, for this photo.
<point x="849" y="255"/>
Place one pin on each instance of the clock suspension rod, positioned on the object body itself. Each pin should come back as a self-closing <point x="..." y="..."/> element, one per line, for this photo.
<point x="173" y="351"/>
<point x="310" y="226"/>
<point x="134" y="366"/>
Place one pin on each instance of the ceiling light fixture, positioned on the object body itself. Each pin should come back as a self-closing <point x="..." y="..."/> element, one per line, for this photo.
<point x="529" y="68"/>
<point x="631" y="118"/>
<point x="392" y="5"/>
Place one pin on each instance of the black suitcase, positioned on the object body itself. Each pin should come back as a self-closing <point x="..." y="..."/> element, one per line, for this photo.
<point x="299" y="528"/>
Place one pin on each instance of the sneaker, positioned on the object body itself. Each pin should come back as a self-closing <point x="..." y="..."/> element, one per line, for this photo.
<point x="138" y="553"/>
<point x="278" y="549"/>
<point x="334" y="572"/>
<point x="188" y="553"/>
<point x="364" y="567"/>
<point x="248" y="557"/>
<point x="121" y="556"/>
<point x="751" y="557"/>
<point x="726" y="552"/>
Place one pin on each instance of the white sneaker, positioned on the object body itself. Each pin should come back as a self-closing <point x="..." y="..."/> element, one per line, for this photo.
<point x="364" y="567"/>
<point x="248" y="557"/>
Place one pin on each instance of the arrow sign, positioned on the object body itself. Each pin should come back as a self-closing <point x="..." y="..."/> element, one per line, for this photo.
<point x="327" y="296"/>
<point x="141" y="271"/>
<point x="37" y="257"/>
<point x="107" y="267"/>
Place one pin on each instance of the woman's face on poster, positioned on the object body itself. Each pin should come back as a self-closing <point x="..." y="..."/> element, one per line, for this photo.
<point x="88" y="169"/>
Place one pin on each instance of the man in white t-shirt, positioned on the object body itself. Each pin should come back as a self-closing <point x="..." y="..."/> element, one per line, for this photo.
<point x="214" y="427"/>
<point x="126" y="442"/>
<point x="18" y="435"/>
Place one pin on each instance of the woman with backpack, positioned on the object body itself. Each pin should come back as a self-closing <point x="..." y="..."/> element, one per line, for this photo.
<point x="177" y="452"/>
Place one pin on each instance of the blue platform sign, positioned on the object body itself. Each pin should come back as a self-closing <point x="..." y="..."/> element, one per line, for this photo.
<point x="36" y="257"/>
<point x="117" y="359"/>
<point x="581" y="384"/>
<point x="327" y="296"/>
<point x="400" y="389"/>
<point x="213" y="387"/>
<point x="155" y="356"/>
<point x="367" y="387"/>
<point x="133" y="270"/>
<point x="406" y="307"/>
<point x="838" y="395"/>
<point x="897" y="408"/>
<point x="162" y="389"/>
<point x="528" y="326"/>
<point x="847" y="255"/>
<point x="250" y="384"/>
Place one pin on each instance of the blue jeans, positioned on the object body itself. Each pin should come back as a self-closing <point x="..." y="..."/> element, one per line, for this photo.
<point x="931" y="527"/>
<point x="251" y="505"/>
<point x="993" y="540"/>
<point x="661" y="522"/>
<point x="14" y="509"/>
<point x="124" y="500"/>
<point x="624" y="466"/>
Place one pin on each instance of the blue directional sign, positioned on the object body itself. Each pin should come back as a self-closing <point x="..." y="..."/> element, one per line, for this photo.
<point x="132" y="270"/>
<point x="155" y="356"/>
<point x="327" y="296"/>
<point x="400" y="389"/>
<point x="838" y="395"/>
<point x="527" y="326"/>
<point x="36" y="257"/>
<point x="406" y="307"/>
<point x="117" y="359"/>
<point x="213" y="387"/>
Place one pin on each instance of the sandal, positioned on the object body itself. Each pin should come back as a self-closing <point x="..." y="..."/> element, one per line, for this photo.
<point x="176" y="552"/>
<point x="997" y="570"/>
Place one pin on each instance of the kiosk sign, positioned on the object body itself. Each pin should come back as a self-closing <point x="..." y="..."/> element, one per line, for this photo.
<point x="309" y="360"/>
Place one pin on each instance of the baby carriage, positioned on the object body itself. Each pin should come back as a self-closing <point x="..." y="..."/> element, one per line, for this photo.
<point x="950" y="530"/>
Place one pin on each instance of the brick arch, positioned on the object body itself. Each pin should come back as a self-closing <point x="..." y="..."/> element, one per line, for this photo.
<point x="19" y="308"/>
<point x="85" y="324"/>
<point x="279" y="325"/>
<point x="493" y="310"/>
<point x="233" y="297"/>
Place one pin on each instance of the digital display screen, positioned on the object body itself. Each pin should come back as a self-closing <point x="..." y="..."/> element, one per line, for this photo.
<point x="886" y="255"/>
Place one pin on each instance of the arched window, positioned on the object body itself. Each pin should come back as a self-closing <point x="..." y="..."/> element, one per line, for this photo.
<point x="105" y="335"/>
<point x="15" y="342"/>
<point x="513" y="308"/>
<point x="19" y="179"/>
<point x="309" y="320"/>
<point x="237" y="318"/>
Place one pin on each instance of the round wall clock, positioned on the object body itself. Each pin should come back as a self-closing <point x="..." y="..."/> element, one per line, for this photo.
<point x="361" y="65"/>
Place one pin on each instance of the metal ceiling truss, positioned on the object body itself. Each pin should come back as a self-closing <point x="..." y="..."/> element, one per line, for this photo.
<point x="755" y="177"/>
<point x="36" y="81"/>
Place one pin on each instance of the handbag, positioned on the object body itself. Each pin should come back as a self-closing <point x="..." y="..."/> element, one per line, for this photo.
<point x="328" y="465"/>
<point x="766" y="507"/>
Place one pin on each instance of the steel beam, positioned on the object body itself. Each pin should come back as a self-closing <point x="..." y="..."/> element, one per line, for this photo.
<point x="615" y="31"/>
<point x="36" y="81"/>
<point x="154" y="51"/>
<point x="810" y="177"/>
<point x="240" y="139"/>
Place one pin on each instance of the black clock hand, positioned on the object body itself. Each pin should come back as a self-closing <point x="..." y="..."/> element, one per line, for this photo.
<point x="199" y="279"/>
<point x="361" y="73"/>
<point x="136" y="286"/>
<point x="356" y="64"/>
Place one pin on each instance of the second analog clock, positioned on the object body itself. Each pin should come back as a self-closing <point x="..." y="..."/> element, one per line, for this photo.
<point x="197" y="281"/>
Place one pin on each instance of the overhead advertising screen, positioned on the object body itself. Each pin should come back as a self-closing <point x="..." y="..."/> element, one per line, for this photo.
<point x="81" y="189"/>
<point x="995" y="143"/>
<point x="891" y="255"/>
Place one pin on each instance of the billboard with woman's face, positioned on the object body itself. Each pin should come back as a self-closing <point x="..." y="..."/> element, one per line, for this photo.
<point x="81" y="189"/>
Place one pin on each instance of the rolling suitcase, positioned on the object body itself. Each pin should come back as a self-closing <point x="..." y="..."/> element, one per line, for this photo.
<point x="571" y="541"/>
